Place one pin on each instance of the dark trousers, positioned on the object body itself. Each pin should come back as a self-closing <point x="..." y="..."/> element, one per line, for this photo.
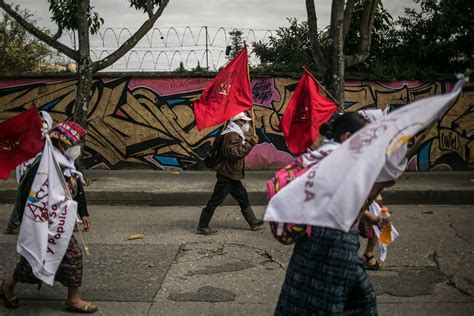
<point x="223" y="187"/>
<point x="14" y="220"/>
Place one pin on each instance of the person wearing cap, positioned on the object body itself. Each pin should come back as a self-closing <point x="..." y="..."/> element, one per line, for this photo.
<point x="65" y="138"/>
<point x="236" y="144"/>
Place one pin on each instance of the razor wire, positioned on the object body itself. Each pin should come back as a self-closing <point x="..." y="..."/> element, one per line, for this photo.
<point x="170" y="48"/>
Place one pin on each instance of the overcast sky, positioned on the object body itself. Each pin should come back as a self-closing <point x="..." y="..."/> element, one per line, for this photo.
<point x="166" y="53"/>
<point x="260" y="14"/>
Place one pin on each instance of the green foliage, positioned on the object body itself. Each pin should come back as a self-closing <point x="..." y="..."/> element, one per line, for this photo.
<point x="141" y="4"/>
<point x="289" y="50"/>
<point x="236" y="43"/>
<point x="20" y="51"/>
<point x="383" y="24"/>
<point x="439" y="37"/>
<point x="64" y="15"/>
<point x="181" y="68"/>
<point x="198" y="68"/>
<point x="425" y="43"/>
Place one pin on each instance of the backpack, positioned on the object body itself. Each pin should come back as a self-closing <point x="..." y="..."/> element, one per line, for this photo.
<point x="287" y="233"/>
<point x="215" y="153"/>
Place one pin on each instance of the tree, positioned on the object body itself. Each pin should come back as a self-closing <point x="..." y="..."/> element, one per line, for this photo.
<point x="288" y="50"/>
<point x="236" y="43"/>
<point x="437" y="38"/>
<point x="78" y="15"/>
<point x="331" y="59"/>
<point x="20" y="51"/>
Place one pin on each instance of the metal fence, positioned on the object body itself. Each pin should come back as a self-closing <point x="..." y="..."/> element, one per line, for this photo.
<point x="165" y="49"/>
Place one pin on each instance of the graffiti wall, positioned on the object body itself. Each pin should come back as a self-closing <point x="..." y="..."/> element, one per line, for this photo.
<point x="138" y="122"/>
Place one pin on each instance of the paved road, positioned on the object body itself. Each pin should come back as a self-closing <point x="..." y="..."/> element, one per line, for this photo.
<point x="173" y="271"/>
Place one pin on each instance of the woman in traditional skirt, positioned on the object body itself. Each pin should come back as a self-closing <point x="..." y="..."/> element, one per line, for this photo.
<point x="325" y="275"/>
<point x="65" y="137"/>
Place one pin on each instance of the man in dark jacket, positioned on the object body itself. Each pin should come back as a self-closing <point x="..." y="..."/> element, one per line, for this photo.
<point x="229" y="171"/>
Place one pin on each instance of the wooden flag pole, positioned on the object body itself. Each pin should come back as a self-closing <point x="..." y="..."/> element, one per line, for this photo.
<point x="253" y="113"/>
<point x="253" y="122"/>
<point x="327" y="92"/>
<point x="86" y="248"/>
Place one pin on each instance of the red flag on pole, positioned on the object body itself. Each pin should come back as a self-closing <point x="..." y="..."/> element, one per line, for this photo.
<point x="20" y="140"/>
<point x="306" y="111"/>
<point x="225" y="96"/>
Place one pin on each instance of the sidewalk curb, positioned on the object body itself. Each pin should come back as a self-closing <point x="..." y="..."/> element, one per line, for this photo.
<point x="256" y="198"/>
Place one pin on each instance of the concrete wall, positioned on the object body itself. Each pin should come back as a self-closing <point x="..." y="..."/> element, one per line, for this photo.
<point x="148" y="122"/>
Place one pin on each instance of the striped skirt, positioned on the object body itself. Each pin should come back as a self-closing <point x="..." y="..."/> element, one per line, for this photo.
<point x="69" y="272"/>
<point x="325" y="277"/>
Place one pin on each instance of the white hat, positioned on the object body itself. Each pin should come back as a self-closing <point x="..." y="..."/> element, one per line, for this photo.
<point x="371" y="115"/>
<point x="241" y="116"/>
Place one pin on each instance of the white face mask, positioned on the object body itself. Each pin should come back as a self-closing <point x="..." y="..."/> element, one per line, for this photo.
<point x="246" y="127"/>
<point x="73" y="152"/>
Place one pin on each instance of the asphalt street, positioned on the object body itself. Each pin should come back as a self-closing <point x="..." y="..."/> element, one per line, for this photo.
<point x="173" y="271"/>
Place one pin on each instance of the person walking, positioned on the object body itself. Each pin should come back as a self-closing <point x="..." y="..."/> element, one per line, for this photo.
<point x="325" y="275"/>
<point x="65" y="138"/>
<point x="230" y="170"/>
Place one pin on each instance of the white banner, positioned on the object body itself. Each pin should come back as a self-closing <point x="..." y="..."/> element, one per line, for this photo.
<point x="48" y="219"/>
<point x="331" y="193"/>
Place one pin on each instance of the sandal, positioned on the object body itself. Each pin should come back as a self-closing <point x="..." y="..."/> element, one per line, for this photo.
<point x="87" y="308"/>
<point x="375" y="266"/>
<point x="12" y="302"/>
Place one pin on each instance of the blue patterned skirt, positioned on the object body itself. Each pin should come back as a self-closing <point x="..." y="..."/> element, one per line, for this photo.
<point x="325" y="277"/>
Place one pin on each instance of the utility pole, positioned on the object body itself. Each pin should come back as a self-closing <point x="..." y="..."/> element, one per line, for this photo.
<point x="207" y="51"/>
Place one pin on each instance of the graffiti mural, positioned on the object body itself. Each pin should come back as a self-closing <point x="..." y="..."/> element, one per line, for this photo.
<point x="138" y="122"/>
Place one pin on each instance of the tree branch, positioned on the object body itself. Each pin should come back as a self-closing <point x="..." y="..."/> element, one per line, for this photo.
<point x="365" y="40"/>
<point x="347" y="18"/>
<point x="58" y="33"/>
<point x="132" y="41"/>
<point x="51" y="41"/>
<point x="149" y="9"/>
<point x="318" y="56"/>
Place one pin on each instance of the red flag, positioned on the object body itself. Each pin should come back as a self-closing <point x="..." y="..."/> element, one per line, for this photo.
<point x="225" y="96"/>
<point x="306" y="111"/>
<point x="20" y="140"/>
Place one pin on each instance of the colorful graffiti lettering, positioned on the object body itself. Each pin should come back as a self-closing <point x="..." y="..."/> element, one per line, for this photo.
<point x="138" y="122"/>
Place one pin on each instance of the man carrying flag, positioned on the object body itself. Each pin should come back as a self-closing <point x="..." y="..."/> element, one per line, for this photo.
<point x="50" y="198"/>
<point x="306" y="111"/>
<point x="226" y="95"/>
<point x="330" y="196"/>
<point x="230" y="170"/>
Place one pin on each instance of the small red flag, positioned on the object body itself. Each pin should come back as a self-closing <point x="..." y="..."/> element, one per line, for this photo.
<point x="306" y="111"/>
<point x="20" y="140"/>
<point x="226" y="95"/>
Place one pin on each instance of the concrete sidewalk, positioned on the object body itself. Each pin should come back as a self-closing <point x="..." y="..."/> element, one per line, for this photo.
<point x="173" y="271"/>
<point x="193" y="188"/>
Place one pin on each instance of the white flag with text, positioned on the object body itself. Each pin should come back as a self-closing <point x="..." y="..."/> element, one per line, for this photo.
<point x="331" y="193"/>
<point x="48" y="219"/>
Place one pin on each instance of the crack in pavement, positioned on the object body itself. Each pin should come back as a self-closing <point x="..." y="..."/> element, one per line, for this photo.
<point x="180" y="249"/>
<point x="261" y="252"/>
<point x="456" y="233"/>
<point x="448" y="277"/>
